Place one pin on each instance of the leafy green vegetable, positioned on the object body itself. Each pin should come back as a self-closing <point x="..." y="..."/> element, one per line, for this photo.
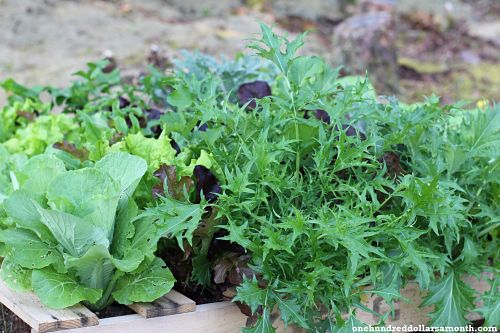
<point x="367" y="195"/>
<point x="180" y="219"/>
<point x="43" y="132"/>
<point x="77" y="234"/>
<point x="491" y="307"/>
<point x="452" y="298"/>
<point x="269" y="173"/>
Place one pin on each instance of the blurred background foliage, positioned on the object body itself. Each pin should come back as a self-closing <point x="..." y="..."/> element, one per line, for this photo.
<point x="411" y="48"/>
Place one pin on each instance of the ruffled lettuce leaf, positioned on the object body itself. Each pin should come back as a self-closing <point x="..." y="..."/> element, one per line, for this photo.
<point x="41" y="133"/>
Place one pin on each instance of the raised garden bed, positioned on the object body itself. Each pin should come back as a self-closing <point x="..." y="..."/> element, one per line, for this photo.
<point x="176" y="313"/>
<point x="267" y="181"/>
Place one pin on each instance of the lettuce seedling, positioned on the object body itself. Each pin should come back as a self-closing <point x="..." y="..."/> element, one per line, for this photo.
<point x="74" y="236"/>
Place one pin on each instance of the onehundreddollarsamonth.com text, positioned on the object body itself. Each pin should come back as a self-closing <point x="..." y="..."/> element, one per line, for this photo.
<point x="423" y="328"/>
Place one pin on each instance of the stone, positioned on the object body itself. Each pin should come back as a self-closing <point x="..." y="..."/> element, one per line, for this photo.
<point x="368" y="42"/>
<point x="442" y="12"/>
<point x="489" y="31"/>
<point x="196" y="8"/>
<point x="311" y="9"/>
<point x="377" y="6"/>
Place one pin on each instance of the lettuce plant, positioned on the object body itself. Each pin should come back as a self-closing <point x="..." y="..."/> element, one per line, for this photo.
<point x="74" y="236"/>
<point x="268" y="175"/>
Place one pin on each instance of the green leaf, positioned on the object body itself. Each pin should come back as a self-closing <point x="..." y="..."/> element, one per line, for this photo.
<point x="87" y="193"/>
<point x="94" y="269"/>
<point x="125" y="169"/>
<point x="277" y="49"/>
<point x="15" y="276"/>
<point x="274" y="241"/>
<point x="180" y="97"/>
<point x="491" y="304"/>
<point x="263" y="324"/>
<point x="20" y="207"/>
<point x="130" y="261"/>
<point x="291" y="312"/>
<point x="349" y="325"/>
<point x="452" y="298"/>
<point x="176" y="219"/>
<point x="201" y="273"/>
<point x="237" y="234"/>
<point x="27" y="250"/>
<point x="40" y="172"/>
<point x="76" y="235"/>
<point x="470" y="251"/>
<point x="59" y="291"/>
<point x="147" y="286"/>
<point x="249" y="292"/>
<point x="351" y="81"/>
<point x="304" y="68"/>
<point x="20" y="90"/>
<point x="124" y="228"/>
<point x="146" y="236"/>
<point x="41" y="133"/>
<point x="481" y="134"/>
<point x="155" y="151"/>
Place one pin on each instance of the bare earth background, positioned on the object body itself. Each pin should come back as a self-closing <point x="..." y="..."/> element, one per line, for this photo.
<point x="449" y="47"/>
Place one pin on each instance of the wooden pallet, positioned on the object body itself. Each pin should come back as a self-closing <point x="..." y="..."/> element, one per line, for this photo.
<point x="176" y="313"/>
<point x="43" y="319"/>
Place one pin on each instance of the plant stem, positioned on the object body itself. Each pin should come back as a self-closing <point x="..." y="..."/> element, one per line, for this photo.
<point x="106" y="297"/>
<point x="297" y="134"/>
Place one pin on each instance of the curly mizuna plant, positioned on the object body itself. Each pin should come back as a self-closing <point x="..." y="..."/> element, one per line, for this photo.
<point x="330" y="195"/>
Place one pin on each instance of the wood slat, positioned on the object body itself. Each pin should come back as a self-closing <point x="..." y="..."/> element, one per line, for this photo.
<point x="172" y="303"/>
<point x="404" y="313"/>
<point x="222" y="317"/>
<point x="409" y="313"/>
<point x="480" y="286"/>
<point x="225" y="317"/>
<point x="41" y="318"/>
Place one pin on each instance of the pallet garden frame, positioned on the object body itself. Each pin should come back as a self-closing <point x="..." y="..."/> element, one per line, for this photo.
<point x="175" y="312"/>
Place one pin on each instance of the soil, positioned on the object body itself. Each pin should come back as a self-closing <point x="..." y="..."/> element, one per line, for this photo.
<point x="114" y="310"/>
<point x="10" y="323"/>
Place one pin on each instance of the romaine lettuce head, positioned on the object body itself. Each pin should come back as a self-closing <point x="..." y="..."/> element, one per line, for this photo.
<point x="76" y="236"/>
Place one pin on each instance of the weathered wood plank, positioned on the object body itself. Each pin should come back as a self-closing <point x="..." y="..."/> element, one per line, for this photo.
<point x="404" y="313"/>
<point x="409" y="313"/>
<point x="172" y="303"/>
<point x="480" y="286"/>
<point x="41" y="318"/>
<point x="223" y="317"/>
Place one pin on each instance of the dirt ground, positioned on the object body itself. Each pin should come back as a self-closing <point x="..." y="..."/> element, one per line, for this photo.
<point x="43" y="42"/>
<point x="448" y="47"/>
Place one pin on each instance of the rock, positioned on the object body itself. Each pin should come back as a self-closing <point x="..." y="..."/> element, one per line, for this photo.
<point x="196" y="8"/>
<point x="311" y="9"/>
<point x="443" y="12"/>
<point x="486" y="30"/>
<point x="377" y="6"/>
<point x="368" y="42"/>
